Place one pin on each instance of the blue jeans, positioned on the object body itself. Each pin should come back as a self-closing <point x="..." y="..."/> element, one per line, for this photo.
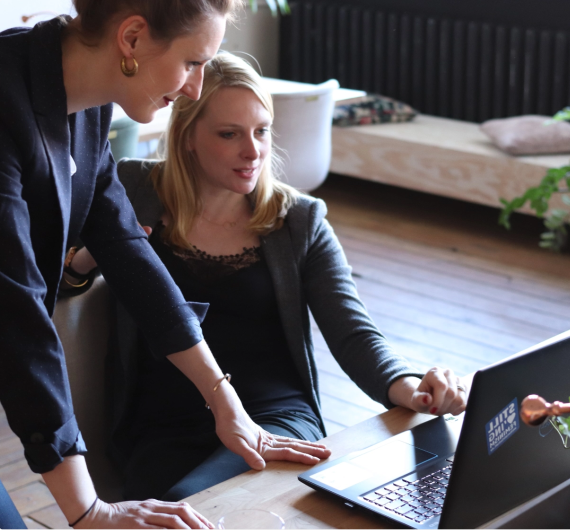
<point x="9" y="516"/>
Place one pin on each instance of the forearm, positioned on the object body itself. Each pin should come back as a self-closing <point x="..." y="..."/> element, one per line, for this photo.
<point x="200" y="366"/>
<point x="71" y="487"/>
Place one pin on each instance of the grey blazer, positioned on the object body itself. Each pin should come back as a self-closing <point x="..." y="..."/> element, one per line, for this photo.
<point x="309" y="271"/>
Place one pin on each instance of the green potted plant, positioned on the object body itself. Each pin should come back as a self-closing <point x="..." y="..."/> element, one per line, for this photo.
<point x="276" y="6"/>
<point x="556" y="181"/>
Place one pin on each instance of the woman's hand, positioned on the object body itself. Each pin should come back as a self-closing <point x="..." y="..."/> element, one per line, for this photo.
<point x="71" y="486"/>
<point x="240" y="434"/>
<point x="143" y="514"/>
<point x="234" y="427"/>
<point x="439" y="392"/>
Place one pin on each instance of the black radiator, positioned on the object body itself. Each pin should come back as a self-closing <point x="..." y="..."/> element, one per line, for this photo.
<point x="468" y="69"/>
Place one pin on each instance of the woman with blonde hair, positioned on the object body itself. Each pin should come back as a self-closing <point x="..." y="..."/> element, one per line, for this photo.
<point x="261" y="254"/>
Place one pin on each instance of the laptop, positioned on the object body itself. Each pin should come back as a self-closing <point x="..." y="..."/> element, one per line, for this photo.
<point x="462" y="472"/>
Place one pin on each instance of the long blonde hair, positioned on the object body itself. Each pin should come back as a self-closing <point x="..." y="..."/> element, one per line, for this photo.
<point x="176" y="178"/>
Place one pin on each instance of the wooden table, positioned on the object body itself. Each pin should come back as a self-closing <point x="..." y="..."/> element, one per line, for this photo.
<point x="277" y="488"/>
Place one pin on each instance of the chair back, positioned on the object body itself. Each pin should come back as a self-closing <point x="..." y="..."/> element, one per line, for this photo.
<point x="82" y="323"/>
<point x="303" y="127"/>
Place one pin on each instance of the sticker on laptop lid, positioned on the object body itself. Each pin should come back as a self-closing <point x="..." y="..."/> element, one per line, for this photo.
<point x="502" y="426"/>
<point x="342" y="476"/>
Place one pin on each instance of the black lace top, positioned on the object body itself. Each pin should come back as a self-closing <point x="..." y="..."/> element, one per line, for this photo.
<point x="243" y="329"/>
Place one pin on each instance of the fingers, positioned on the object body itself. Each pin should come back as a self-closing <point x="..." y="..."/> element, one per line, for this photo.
<point x="147" y="229"/>
<point x="146" y="514"/>
<point x="184" y="514"/>
<point x="438" y="393"/>
<point x="293" y="450"/>
<point x="252" y="457"/>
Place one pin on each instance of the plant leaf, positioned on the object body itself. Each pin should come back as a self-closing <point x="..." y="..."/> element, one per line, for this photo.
<point x="273" y="6"/>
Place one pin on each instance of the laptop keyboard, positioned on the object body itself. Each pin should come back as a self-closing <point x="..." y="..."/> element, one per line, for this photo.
<point x="417" y="499"/>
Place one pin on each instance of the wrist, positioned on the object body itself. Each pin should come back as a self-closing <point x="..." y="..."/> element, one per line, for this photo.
<point x="402" y="390"/>
<point x="71" y="487"/>
<point x="82" y="262"/>
<point x="224" y="403"/>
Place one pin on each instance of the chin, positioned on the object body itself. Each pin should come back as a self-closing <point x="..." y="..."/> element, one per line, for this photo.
<point x="141" y="115"/>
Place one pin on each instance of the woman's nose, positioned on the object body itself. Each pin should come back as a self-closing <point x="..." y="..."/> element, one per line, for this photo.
<point x="193" y="86"/>
<point x="250" y="149"/>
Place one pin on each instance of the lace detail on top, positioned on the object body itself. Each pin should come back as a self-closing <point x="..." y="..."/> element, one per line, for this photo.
<point x="210" y="268"/>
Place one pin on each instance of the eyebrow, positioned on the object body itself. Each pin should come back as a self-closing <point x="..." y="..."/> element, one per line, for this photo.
<point x="240" y="126"/>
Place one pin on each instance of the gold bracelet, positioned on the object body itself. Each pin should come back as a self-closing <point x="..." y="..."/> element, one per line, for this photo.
<point x="75" y="285"/>
<point x="227" y="377"/>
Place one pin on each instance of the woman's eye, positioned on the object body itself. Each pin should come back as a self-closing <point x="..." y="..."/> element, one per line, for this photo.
<point x="190" y="65"/>
<point x="263" y="131"/>
<point x="227" y="135"/>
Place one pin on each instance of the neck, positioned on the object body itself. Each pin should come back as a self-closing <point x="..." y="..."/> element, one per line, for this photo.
<point x="225" y="206"/>
<point x="86" y="74"/>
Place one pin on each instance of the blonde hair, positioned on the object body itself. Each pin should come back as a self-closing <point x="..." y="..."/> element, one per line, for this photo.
<point x="176" y="178"/>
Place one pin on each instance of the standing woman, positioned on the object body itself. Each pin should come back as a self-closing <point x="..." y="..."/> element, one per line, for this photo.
<point x="57" y="183"/>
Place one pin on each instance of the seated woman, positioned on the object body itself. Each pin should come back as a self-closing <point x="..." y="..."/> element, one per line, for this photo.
<point x="261" y="254"/>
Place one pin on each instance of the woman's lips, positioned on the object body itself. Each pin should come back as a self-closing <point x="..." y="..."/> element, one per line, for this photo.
<point x="167" y="101"/>
<point x="245" y="173"/>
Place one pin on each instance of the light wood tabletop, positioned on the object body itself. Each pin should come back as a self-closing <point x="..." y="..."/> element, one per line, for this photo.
<point x="277" y="489"/>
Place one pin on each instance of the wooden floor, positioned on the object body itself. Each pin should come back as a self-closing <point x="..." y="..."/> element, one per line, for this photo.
<point x="442" y="281"/>
<point x="445" y="284"/>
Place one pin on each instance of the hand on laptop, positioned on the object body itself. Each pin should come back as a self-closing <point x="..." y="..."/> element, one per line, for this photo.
<point x="439" y="392"/>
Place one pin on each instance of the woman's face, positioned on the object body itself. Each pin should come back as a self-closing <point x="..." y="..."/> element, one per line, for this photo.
<point x="163" y="76"/>
<point x="232" y="140"/>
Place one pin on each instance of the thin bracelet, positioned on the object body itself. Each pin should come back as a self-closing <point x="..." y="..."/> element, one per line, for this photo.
<point x="227" y="377"/>
<point x="88" y="510"/>
<point x="75" y="285"/>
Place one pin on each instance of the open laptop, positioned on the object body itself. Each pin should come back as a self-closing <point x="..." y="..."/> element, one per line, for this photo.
<point x="461" y="472"/>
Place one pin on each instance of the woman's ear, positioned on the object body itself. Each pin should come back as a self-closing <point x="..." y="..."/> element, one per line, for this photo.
<point x="130" y="33"/>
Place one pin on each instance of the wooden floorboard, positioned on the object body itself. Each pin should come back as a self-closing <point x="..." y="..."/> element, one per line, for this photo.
<point x="440" y="279"/>
<point x="443" y="282"/>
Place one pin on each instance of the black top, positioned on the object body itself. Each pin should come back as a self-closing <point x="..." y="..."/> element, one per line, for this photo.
<point x="243" y="329"/>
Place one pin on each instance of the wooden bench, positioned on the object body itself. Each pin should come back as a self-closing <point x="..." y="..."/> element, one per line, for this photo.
<point x="437" y="155"/>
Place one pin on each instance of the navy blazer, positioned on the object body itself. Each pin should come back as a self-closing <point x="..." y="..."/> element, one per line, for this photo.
<point x="45" y="205"/>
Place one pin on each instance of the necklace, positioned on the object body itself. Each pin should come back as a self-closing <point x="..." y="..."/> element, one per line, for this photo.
<point x="228" y="225"/>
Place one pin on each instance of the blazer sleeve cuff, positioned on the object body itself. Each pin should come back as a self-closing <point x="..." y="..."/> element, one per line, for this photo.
<point x="44" y="451"/>
<point x="183" y="335"/>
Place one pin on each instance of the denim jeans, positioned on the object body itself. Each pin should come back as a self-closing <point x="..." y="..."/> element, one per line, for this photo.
<point x="9" y="516"/>
<point x="176" y="464"/>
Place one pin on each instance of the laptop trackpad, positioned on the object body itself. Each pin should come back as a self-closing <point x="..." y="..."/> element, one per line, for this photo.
<point x="389" y="461"/>
<point x="392" y="460"/>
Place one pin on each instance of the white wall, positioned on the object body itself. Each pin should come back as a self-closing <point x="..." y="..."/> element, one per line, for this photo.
<point x="258" y="35"/>
<point x="11" y="11"/>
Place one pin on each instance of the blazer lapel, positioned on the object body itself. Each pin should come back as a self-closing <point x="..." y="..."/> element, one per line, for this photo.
<point x="280" y="257"/>
<point x="49" y="102"/>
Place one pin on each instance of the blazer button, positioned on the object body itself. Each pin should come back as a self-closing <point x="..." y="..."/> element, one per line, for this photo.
<point x="37" y="438"/>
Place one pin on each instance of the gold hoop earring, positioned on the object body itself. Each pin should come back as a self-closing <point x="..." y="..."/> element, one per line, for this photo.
<point x="129" y="72"/>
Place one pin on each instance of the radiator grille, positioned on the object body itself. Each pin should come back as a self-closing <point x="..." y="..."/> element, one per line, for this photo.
<point x="455" y="68"/>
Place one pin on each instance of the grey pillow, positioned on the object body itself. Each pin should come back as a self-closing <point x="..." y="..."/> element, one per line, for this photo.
<point x="529" y="135"/>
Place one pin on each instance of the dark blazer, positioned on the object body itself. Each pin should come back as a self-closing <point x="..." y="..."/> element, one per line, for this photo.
<point x="44" y="208"/>
<point x="309" y="271"/>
